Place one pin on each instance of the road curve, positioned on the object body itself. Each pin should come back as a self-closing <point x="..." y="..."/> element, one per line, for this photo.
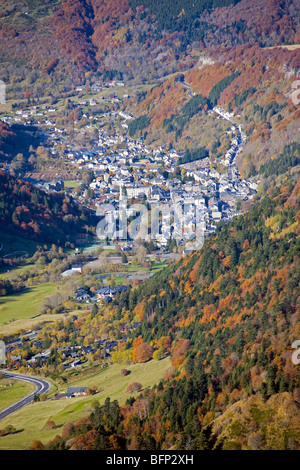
<point x="42" y="386"/>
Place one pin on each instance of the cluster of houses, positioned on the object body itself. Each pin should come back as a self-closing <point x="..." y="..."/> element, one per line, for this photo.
<point x="99" y="86"/>
<point x="72" y="356"/>
<point x="30" y="115"/>
<point x="104" y="295"/>
<point x="238" y="140"/>
<point x="50" y="186"/>
<point x="214" y="192"/>
<point x="125" y="168"/>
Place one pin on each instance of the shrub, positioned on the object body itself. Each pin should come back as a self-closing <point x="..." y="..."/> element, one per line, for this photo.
<point x="158" y="354"/>
<point x="9" y="429"/>
<point x="50" y="425"/>
<point x="134" y="387"/>
<point x="36" y="445"/>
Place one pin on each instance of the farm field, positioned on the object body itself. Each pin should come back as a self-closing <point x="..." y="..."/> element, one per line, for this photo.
<point x="30" y="422"/>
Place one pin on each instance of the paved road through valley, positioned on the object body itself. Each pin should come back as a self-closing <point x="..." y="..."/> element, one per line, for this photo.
<point x="41" y="387"/>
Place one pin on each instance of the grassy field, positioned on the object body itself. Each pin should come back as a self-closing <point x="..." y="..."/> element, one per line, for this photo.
<point x="10" y="394"/>
<point x="13" y="244"/>
<point x="72" y="184"/>
<point x="24" y="304"/>
<point x="290" y="47"/>
<point x="27" y="324"/>
<point x="16" y="270"/>
<point x="30" y="422"/>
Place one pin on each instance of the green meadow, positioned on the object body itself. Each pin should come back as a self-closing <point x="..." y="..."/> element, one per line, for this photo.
<point x="9" y="394"/>
<point x="14" y="246"/>
<point x="24" y="304"/>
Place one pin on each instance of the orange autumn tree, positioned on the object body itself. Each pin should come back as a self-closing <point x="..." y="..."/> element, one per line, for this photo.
<point x="139" y="311"/>
<point x="137" y="341"/>
<point x="179" y="351"/>
<point x="165" y="343"/>
<point x="142" y="353"/>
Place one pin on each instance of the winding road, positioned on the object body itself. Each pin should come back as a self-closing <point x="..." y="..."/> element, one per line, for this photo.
<point x="42" y="386"/>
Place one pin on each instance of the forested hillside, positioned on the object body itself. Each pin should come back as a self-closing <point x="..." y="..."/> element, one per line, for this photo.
<point x="237" y="21"/>
<point x="255" y="84"/>
<point x="181" y="16"/>
<point x="59" y="44"/>
<point x="228" y="315"/>
<point x="16" y="139"/>
<point x="32" y="213"/>
<point x="7" y="137"/>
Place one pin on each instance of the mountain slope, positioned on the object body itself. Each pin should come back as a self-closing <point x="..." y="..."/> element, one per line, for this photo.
<point x="255" y="84"/>
<point x="229" y="315"/>
<point x="61" y="40"/>
<point x="31" y="213"/>
<point x="236" y="22"/>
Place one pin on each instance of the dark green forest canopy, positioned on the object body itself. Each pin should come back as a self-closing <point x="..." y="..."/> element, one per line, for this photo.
<point x="179" y="15"/>
<point x="289" y="158"/>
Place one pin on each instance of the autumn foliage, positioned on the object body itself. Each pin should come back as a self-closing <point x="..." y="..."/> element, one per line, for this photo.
<point x="179" y="352"/>
<point x="31" y="212"/>
<point x="142" y="353"/>
<point x="134" y="387"/>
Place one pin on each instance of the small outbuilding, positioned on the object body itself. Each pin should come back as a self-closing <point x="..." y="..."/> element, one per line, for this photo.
<point x="76" y="392"/>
